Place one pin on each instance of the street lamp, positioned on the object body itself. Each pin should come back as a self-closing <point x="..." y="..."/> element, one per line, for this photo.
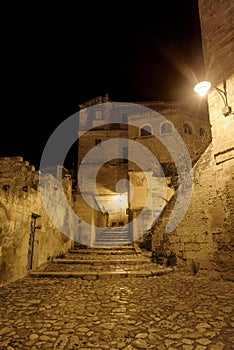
<point x="203" y="87"/>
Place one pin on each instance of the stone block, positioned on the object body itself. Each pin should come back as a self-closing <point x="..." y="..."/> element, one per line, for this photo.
<point x="196" y="255"/>
<point x="178" y="247"/>
<point x="195" y="247"/>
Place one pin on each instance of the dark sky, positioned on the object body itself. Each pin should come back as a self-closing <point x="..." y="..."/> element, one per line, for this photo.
<point x="55" y="57"/>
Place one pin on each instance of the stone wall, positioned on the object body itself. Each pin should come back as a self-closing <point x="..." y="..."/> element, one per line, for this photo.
<point x="17" y="173"/>
<point x="217" y="18"/>
<point x="89" y="214"/>
<point x="149" y="194"/>
<point x="88" y="141"/>
<point x="20" y="207"/>
<point x="206" y="234"/>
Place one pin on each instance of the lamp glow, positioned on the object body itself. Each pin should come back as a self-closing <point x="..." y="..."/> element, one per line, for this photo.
<point x="202" y="88"/>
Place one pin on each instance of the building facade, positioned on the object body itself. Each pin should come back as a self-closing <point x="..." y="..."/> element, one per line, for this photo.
<point x="120" y="140"/>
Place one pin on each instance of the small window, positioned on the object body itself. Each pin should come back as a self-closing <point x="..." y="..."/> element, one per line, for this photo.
<point x="187" y="129"/>
<point x="98" y="115"/>
<point x="124" y="118"/>
<point x="202" y="132"/>
<point x="146" y="130"/>
<point x="125" y="155"/>
<point x="98" y="142"/>
<point x="166" y="128"/>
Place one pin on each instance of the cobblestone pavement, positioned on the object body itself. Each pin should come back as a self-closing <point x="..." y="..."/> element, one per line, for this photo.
<point x="174" y="311"/>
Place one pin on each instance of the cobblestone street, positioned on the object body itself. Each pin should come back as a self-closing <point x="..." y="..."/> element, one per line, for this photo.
<point x="177" y="310"/>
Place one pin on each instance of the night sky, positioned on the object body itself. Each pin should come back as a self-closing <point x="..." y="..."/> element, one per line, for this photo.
<point x="56" y="57"/>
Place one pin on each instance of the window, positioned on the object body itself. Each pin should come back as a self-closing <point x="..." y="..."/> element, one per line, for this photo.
<point x="98" y="114"/>
<point x="187" y="129"/>
<point x="125" y="155"/>
<point x="124" y="118"/>
<point x="98" y="142"/>
<point x="146" y="130"/>
<point x="166" y="128"/>
<point x="202" y="132"/>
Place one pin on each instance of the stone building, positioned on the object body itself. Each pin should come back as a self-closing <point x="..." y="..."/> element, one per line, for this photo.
<point x="128" y="183"/>
<point x="28" y="238"/>
<point x="206" y="235"/>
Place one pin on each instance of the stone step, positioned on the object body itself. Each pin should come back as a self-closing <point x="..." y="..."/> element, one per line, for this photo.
<point x="120" y="235"/>
<point x="104" y="245"/>
<point x="101" y="251"/>
<point x="99" y="267"/>
<point x="129" y="246"/>
<point x="113" y="234"/>
<point x="113" y="239"/>
<point x="93" y="263"/>
<point x="111" y="243"/>
<point x="116" y="229"/>
<point x="92" y="275"/>
<point x="102" y="262"/>
<point x="110" y="236"/>
<point x="126" y="247"/>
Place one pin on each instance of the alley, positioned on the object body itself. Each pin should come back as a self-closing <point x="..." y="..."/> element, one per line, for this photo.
<point x="177" y="310"/>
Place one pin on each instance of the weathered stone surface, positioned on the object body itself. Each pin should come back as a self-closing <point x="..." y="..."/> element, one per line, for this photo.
<point x="177" y="310"/>
<point x="20" y="204"/>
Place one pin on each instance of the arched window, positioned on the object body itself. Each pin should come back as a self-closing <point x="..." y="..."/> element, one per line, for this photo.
<point x="202" y="132"/>
<point x="187" y="129"/>
<point x="146" y="130"/>
<point x="166" y="128"/>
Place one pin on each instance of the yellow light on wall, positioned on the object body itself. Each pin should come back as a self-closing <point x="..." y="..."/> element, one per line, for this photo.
<point x="203" y="87"/>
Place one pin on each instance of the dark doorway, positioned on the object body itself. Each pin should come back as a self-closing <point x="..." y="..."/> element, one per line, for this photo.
<point x="31" y="240"/>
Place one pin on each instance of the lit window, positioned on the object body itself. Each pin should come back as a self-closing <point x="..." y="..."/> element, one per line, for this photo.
<point x="166" y="128"/>
<point x="146" y="130"/>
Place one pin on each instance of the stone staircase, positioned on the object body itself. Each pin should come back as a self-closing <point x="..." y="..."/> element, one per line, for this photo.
<point x="113" y="237"/>
<point x="95" y="263"/>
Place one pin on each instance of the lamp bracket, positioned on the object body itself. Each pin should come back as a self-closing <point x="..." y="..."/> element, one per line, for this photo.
<point x="223" y="93"/>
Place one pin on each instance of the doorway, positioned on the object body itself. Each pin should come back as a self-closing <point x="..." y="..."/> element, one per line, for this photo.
<point x="33" y="227"/>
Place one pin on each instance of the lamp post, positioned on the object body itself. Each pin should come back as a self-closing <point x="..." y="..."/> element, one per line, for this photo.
<point x="203" y="87"/>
